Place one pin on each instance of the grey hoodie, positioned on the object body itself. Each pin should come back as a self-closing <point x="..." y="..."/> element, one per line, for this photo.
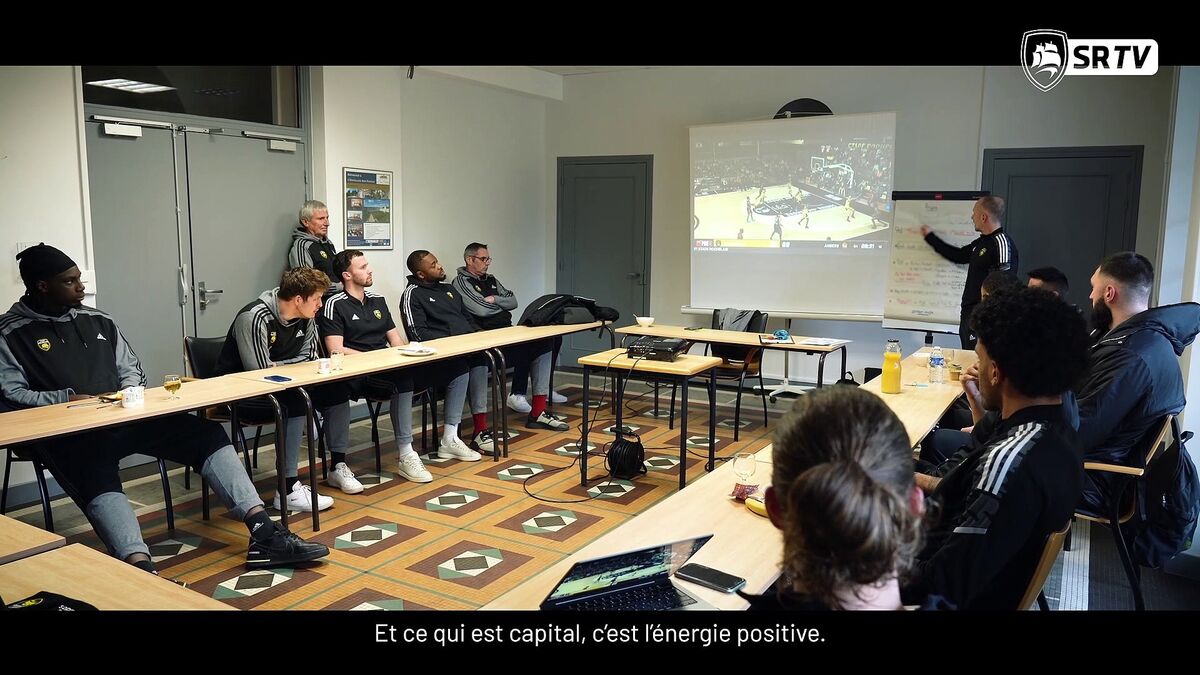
<point x="259" y="337"/>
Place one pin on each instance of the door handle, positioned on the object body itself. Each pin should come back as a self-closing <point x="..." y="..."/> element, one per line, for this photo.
<point x="183" y="287"/>
<point x="205" y="292"/>
<point x="633" y="275"/>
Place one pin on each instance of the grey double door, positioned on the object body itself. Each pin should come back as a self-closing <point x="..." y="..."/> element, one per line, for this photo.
<point x="179" y="209"/>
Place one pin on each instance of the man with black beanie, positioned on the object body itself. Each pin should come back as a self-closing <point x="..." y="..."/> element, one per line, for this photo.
<point x="53" y="349"/>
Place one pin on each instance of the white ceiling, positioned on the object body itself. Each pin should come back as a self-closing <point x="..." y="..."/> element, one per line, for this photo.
<point x="588" y="70"/>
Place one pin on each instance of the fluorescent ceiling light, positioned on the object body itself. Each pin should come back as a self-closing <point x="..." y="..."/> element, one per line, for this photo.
<point x="131" y="86"/>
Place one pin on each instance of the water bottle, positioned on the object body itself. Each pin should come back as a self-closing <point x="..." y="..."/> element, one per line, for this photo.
<point x="937" y="366"/>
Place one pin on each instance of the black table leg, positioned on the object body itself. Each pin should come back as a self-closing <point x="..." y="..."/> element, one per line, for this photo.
<point x="280" y="450"/>
<point x="683" y="420"/>
<point x="583" y="436"/>
<point x="311" y="420"/>
<point x="712" y="420"/>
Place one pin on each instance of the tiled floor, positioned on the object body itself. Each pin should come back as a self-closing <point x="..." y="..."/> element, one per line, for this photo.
<point x="471" y="535"/>
<point x="476" y="531"/>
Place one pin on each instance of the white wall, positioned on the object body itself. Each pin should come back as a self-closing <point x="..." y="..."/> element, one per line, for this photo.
<point x="471" y="168"/>
<point x="944" y="117"/>
<point x="356" y="123"/>
<point x="474" y="171"/>
<point x="41" y="175"/>
<point x="1183" y="208"/>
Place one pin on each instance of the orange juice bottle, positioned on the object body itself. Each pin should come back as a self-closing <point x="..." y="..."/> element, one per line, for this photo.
<point x="890" y="384"/>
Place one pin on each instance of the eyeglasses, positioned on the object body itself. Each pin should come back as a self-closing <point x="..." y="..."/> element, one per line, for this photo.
<point x="484" y="259"/>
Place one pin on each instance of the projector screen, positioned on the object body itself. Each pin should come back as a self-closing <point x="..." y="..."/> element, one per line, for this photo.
<point x="793" y="215"/>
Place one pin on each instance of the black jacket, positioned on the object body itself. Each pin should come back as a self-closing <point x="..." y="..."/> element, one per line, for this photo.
<point x="309" y="251"/>
<point x="999" y="505"/>
<point x="433" y="309"/>
<point x="1133" y="380"/>
<point x="995" y="251"/>
<point x="44" y="359"/>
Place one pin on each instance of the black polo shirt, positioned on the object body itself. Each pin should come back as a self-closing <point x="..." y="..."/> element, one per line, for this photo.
<point x="362" y="325"/>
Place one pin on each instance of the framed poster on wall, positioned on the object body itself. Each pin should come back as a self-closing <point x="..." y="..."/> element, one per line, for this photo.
<point x="368" y="208"/>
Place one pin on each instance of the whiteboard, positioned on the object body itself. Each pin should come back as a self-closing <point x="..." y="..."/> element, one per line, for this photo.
<point x="924" y="290"/>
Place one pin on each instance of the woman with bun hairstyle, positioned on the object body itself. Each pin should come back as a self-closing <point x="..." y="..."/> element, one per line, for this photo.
<point x="842" y="492"/>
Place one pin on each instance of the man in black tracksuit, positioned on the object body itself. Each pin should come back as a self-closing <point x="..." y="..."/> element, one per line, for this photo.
<point x="993" y="250"/>
<point x="53" y="349"/>
<point x="1133" y="377"/>
<point x="433" y="309"/>
<point x="1003" y="499"/>
<point x="357" y="320"/>
<point x="310" y="245"/>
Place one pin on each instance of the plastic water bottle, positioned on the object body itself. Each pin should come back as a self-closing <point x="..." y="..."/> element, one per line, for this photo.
<point x="937" y="366"/>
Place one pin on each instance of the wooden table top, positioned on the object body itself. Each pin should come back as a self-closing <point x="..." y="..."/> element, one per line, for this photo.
<point x="683" y="365"/>
<point x="20" y="540"/>
<point x="919" y="405"/>
<point x="64" y="418"/>
<point x="82" y="573"/>
<point x="730" y="337"/>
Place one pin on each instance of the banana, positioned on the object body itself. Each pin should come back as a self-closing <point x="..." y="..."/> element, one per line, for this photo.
<point x="755" y="504"/>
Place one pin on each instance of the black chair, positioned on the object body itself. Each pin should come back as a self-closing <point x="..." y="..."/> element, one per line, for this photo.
<point x="737" y="364"/>
<point x="29" y="454"/>
<point x="1161" y="453"/>
<point x="202" y="355"/>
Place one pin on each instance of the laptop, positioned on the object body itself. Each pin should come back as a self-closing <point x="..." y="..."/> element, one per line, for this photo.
<point x="633" y="581"/>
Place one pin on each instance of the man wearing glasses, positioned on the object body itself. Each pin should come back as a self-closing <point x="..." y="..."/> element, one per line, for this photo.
<point x="492" y="304"/>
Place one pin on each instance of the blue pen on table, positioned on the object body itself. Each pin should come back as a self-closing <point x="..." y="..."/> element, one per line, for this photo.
<point x="910" y="384"/>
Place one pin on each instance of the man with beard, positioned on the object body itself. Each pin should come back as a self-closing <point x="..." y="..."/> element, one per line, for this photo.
<point x="1133" y="376"/>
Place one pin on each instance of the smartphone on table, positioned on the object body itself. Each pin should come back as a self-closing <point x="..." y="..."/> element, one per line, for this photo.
<point x="707" y="576"/>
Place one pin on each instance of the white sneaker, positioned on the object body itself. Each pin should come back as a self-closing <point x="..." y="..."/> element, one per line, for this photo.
<point x="454" y="448"/>
<point x="300" y="499"/>
<point x="485" y="441"/>
<point x="518" y="403"/>
<point x="555" y="397"/>
<point x="343" y="478"/>
<point x="412" y="468"/>
<point x="546" y="421"/>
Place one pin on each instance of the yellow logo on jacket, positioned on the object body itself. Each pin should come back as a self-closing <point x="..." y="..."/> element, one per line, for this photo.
<point x="43" y="344"/>
<point x="982" y="251"/>
<point x="449" y="295"/>
<point x="378" y="314"/>
<point x="272" y="337"/>
<point x="324" y="255"/>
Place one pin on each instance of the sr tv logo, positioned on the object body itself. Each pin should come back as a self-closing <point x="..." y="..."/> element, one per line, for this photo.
<point x="1047" y="56"/>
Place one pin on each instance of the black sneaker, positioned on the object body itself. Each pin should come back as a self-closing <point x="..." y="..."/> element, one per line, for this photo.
<point x="282" y="549"/>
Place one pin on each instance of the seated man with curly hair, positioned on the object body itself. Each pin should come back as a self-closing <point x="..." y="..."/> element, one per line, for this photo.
<point x="1003" y="499"/>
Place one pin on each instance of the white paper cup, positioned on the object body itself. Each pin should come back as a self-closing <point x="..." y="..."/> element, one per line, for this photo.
<point x="323" y="366"/>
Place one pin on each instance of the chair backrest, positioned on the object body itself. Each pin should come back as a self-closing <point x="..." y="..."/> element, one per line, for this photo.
<point x="757" y="324"/>
<point x="203" y="354"/>
<point x="1054" y="544"/>
<point x="1168" y="433"/>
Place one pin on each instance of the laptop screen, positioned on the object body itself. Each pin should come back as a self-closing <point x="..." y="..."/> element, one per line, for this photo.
<point x="625" y="569"/>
